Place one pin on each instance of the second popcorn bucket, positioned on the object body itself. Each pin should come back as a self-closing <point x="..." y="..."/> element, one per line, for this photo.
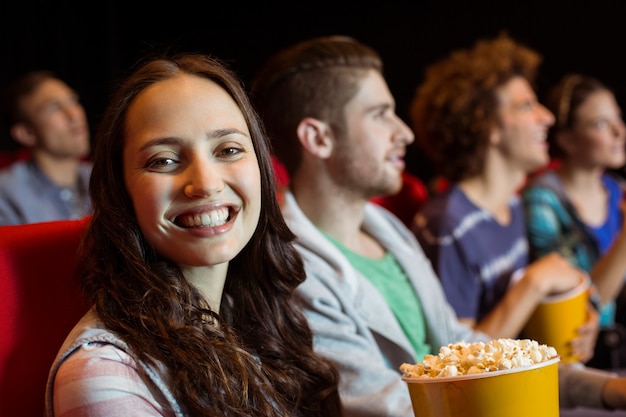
<point x="556" y="319"/>
<point x="530" y="390"/>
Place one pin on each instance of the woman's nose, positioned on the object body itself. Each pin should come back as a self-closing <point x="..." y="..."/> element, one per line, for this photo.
<point x="203" y="179"/>
<point x="619" y="129"/>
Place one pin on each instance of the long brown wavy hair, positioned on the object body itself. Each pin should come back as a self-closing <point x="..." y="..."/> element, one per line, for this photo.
<point x="259" y="361"/>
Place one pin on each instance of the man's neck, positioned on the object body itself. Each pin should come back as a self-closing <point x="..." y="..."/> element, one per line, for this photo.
<point x="336" y="212"/>
<point x="62" y="172"/>
<point x="493" y="192"/>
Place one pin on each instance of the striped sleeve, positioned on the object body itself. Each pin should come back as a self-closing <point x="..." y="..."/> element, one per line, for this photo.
<point x="100" y="380"/>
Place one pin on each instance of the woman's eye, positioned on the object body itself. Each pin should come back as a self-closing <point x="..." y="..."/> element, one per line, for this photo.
<point x="230" y="151"/>
<point x="601" y="124"/>
<point x="161" y="162"/>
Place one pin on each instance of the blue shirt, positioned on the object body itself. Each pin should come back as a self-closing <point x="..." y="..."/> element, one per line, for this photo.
<point x="473" y="255"/>
<point x="607" y="232"/>
<point x="27" y="195"/>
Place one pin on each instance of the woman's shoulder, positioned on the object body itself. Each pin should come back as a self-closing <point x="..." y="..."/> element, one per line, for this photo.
<point x="546" y="187"/>
<point x="614" y="180"/>
<point x="108" y="379"/>
<point x="96" y="361"/>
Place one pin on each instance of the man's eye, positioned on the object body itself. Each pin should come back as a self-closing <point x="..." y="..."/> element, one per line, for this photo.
<point x="528" y="105"/>
<point x="51" y="107"/>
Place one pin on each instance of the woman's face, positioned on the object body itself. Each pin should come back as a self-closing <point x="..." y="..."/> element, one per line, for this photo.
<point x="598" y="134"/>
<point x="191" y="171"/>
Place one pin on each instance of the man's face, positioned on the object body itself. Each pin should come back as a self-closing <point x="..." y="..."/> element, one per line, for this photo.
<point x="369" y="160"/>
<point x="56" y="120"/>
<point x="521" y="134"/>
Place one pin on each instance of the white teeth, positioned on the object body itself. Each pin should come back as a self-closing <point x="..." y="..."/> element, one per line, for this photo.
<point x="211" y="219"/>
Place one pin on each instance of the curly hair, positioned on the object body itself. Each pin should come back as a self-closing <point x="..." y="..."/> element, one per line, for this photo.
<point x="563" y="99"/>
<point x="455" y="108"/>
<point x="315" y="78"/>
<point x="259" y="361"/>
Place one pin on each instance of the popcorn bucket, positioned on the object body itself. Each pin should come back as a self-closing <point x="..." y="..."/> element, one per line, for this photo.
<point x="525" y="391"/>
<point x="556" y="320"/>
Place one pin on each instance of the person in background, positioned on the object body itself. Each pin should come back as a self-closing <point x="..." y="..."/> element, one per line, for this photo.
<point x="477" y="116"/>
<point x="45" y="117"/>
<point x="371" y="296"/>
<point x="577" y="208"/>
<point x="188" y="263"/>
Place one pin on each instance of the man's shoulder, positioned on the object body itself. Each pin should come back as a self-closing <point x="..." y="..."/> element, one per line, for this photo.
<point x="14" y="175"/>
<point x="445" y="210"/>
<point x="85" y="165"/>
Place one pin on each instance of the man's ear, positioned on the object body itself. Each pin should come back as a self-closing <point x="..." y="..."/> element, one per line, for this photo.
<point x="23" y="135"/>
<point x="495" y="136"/>
<point x="315" y="136"/>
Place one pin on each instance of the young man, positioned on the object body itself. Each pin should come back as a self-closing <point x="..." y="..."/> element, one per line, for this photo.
<point x="478" y="117"/>
<point x="45" y="116"/>
<point x="370" y="295"/>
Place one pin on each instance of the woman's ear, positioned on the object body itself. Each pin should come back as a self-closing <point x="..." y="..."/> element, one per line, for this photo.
<point x="315" y="137"/>
<point x="23" y="135"/>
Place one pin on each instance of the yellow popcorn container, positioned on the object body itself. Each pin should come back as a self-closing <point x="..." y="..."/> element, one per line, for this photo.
<point x="525" y="391"/>
<point x="556" y="320"/>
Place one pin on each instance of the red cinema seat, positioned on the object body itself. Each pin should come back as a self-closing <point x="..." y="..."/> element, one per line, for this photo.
<point x="41" y="302"/>
<point x="406" y="203"/>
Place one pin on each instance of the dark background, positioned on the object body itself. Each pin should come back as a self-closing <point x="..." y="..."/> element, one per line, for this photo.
<point x="92" y="44"/>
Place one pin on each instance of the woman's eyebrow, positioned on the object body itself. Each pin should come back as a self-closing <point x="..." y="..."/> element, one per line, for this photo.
<point x="213" y="134"/>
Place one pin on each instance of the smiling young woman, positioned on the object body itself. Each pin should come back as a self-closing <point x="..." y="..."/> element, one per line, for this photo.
<point x="188" y="263"/>
<point x="577" y="208"/>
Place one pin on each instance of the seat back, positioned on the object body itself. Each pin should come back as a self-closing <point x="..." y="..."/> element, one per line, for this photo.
<point x="41" y="302"/>
<point x="406" y="203"/>
<point x="8" y="157"/>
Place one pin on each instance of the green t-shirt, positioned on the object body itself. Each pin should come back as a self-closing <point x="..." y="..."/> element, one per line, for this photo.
<point x="389" y="278"/>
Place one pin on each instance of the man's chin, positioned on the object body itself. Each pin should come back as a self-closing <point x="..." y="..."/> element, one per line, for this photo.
<point x="538" y="165"/>
<point x="391" y="191"/>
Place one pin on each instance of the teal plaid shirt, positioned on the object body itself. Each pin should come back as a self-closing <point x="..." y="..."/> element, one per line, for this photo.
<point x="553" y="225"/>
